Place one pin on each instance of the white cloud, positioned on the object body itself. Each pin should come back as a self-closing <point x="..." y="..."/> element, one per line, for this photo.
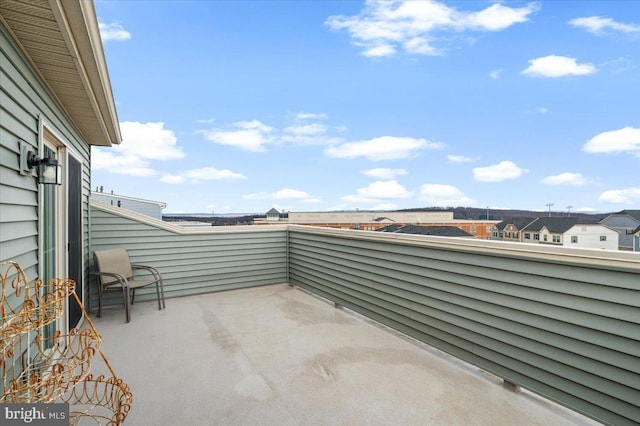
<point x="626" y="139"/>
<point x="252" y="136"/>
<point x="311" y="116"/>
<point x="385" y="206"/>
<point x="443" y="195"/>
<point x="198" y="175"/>
<point x="460" y="159"/>
<point x="567" y="178"/>
<point x="141" y="142"/>
<point x="304" y="132"/>
<point x="113" y="31"/>
<point x="382" y="148"/>
<point x="205" y="120"/>
<point x="498" y="17"/>
<point x="596" y="25"/>
<point x="619" y="65"/>
<point x="379" y="190"/>
<point x="542" y="110"/>
<point x="621" y="196"/>
<point x="290" y="194"/>
<point x="386" y="174"/>
<point x="148" y="141"/>
<point x="554" y="66"/>
<point x="495" y="74"/>
<point x="586" y="210"/>
<point x="307" y="129"/>
<point x="498" y="172"/>
<point x="379" y="51"/>
<point x="102" y="159"/>
<point x="384" y="27"/>
<point x="173" y="179"/>
<point x="283" y="194"/>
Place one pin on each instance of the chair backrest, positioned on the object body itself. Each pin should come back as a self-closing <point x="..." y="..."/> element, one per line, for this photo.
<point x="115" y="261"/>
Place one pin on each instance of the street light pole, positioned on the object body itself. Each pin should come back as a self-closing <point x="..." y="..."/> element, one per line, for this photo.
<point x="569" y="210"/>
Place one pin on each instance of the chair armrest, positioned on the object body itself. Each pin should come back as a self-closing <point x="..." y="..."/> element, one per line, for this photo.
<point x="121" y="278"/>
<point x="150" y="269"/>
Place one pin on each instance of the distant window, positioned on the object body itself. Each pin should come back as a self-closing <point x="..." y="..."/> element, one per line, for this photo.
<point x="536" y="237"/>
<point x="527" y="236"/>
<point x="574" y="239"/>
<point x="556" y="238"/>
<point x="545" y="237"/>
<point x="603" y="238"/>
<point x="488" y="229"/>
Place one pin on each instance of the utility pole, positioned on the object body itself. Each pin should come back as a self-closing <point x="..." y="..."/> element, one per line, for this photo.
<point x="569" y="210"/>
<point x="487" y="212"/>
<point x="549" y="205"/>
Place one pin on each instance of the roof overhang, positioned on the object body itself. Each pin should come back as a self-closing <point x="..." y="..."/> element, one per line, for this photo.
<point x="62" y="41"/>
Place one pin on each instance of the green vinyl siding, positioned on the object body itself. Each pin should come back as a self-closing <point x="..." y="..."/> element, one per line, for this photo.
<point x="561" y="326"/>
<point x="192" y="262"/>
<point x="563" y="323"/>
<point x="25" y="104"/>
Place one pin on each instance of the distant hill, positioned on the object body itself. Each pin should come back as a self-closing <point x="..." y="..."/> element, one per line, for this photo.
<point x="235" y="219"/>
<point x="462" y="213"/>
<point x="474" y="213"/>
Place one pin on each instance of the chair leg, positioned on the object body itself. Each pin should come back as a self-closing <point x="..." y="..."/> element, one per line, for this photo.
<point x="158" y="294"/>
<point x="133" y="294"/>
<point x="126" y="303"/>
<point x="99" y="300"/>
<point x="162" y="293"/>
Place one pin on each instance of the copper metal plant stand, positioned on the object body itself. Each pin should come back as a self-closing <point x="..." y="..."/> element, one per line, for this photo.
<point x="38" y="364"/>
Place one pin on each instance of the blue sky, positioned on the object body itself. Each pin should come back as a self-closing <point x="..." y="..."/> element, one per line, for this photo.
<point x="240" y="106"/>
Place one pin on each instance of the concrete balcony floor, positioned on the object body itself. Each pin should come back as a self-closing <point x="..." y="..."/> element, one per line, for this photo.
<point x="279" y="356"/>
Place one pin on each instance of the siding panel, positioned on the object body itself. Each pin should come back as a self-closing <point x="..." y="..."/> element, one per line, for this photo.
<point x="190" y="263"/>
<point x="25" y="103"/>
<point x="562" y="326"/>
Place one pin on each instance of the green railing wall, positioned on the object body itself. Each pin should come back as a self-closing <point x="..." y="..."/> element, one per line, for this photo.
<point x="563" y="323"/>
<point x="191" y="261"/>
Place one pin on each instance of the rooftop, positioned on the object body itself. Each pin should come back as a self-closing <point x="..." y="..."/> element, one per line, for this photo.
<point x="277" y="355"/>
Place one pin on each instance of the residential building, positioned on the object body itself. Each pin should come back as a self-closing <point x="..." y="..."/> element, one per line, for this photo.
<point x="636" y="239"/>
<point x="509" y="230"/>
<point x="55" y="102"/>
<point x="570" y="232"/>
<point x="374" y="220"/>
<point x="436" y="231"/>
<point x="624" y="222"/>
<point x="138" y="205"/>
<point x="273" y="215"/>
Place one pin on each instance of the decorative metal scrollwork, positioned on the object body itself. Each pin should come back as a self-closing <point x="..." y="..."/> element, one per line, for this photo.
<point x="38" y="364"/>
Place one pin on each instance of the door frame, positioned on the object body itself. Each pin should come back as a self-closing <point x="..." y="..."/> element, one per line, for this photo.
<point x="48" y="136"/>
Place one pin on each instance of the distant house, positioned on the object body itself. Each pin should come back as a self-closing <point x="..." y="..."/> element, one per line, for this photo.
<point x="273" y="215"/>
<point x="571" y="232"/>
<point x="509" y="230"/>
<point x="625" y="222"/>
<point x="438" y="231"/>
<point x="636" y="239"/>
<point x="138" y="205"/>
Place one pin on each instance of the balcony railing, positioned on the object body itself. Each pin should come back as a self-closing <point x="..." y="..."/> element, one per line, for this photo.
<point x="563" y="323"/>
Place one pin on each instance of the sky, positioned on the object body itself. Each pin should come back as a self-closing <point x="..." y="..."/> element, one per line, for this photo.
<point x="241" y="106"/>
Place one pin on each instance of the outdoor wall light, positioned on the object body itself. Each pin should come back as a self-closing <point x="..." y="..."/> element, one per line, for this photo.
<point x="48" y="170"/>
